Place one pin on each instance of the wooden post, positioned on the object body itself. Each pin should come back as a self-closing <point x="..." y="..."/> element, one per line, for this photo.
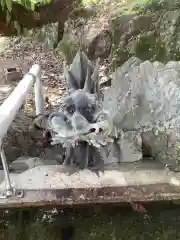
<point x="12" y="104"/>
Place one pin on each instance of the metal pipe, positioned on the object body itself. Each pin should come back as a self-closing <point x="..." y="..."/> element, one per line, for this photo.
<point x="12" y="104"/>
<point x="39" y="96"/>
<point x="9" y="109"/>
<point x="9" y="188"/>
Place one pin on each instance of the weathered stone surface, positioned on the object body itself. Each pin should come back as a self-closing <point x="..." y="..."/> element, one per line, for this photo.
<point x="131" y="148"/>
<point x="12" y="74"/>
<point x="163" y="147"/>
<point x="100" y="46"/>
<point x="145" y="97"/>
<point x="22" y="164"/>
<point x="93" y="34"/>
<point x="150" y="33"/>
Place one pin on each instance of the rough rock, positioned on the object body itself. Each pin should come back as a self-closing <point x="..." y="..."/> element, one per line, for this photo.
<point x="149" y="36"/>
<point x="150" y="33"/>
<point x="163" y="147"/>
<point x="93" y="35"/>
<point x="22" y="164"/>
<point x="130" y="150"/>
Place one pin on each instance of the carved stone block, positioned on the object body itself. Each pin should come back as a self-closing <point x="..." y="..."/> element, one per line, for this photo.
<point x="12" y="74"/>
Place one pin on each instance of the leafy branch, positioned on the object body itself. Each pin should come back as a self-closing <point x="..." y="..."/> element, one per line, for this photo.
<point x="7" y="5"/>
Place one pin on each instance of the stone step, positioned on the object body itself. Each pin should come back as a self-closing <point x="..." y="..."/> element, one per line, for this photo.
<point x="22" y="164"/>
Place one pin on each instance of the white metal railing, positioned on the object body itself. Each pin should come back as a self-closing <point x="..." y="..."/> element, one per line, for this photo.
<point x="10" y="107"/>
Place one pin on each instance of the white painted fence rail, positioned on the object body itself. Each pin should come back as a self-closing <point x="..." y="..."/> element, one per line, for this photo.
<point x="12" y="104"/>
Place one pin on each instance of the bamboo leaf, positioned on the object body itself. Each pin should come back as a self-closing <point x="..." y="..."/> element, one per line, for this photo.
<point x="3" y="4"/>
<point x="30" y="4"/>
<point x="33" y="5"/>
<point x="9" y="5"/>
<point x="8" y="16"/>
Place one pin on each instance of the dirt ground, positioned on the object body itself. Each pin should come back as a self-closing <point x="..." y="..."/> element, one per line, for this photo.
<point x="23" y="53"/>
<point x="22" y="139"/>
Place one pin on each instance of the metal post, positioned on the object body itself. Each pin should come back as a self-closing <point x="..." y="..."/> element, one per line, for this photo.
<point x="8" y="111"/>
<point x="9" y="188"/>
<point x="39" y="98"/>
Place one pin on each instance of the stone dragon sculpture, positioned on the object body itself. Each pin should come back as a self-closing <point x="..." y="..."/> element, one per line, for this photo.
<point x="144" y="98"/>
<point x="69" y="123"/>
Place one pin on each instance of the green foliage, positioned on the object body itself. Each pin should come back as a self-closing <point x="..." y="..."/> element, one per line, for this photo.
<point x="29" y="4"/>
<point x="154" y="5"/>
<point x="150" y="47"/>
<point x="86" y="3"/>
<point x="7" y="5"/>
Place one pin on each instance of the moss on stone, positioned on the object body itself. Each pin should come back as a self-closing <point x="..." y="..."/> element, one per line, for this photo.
<point x="151" y="48"/>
